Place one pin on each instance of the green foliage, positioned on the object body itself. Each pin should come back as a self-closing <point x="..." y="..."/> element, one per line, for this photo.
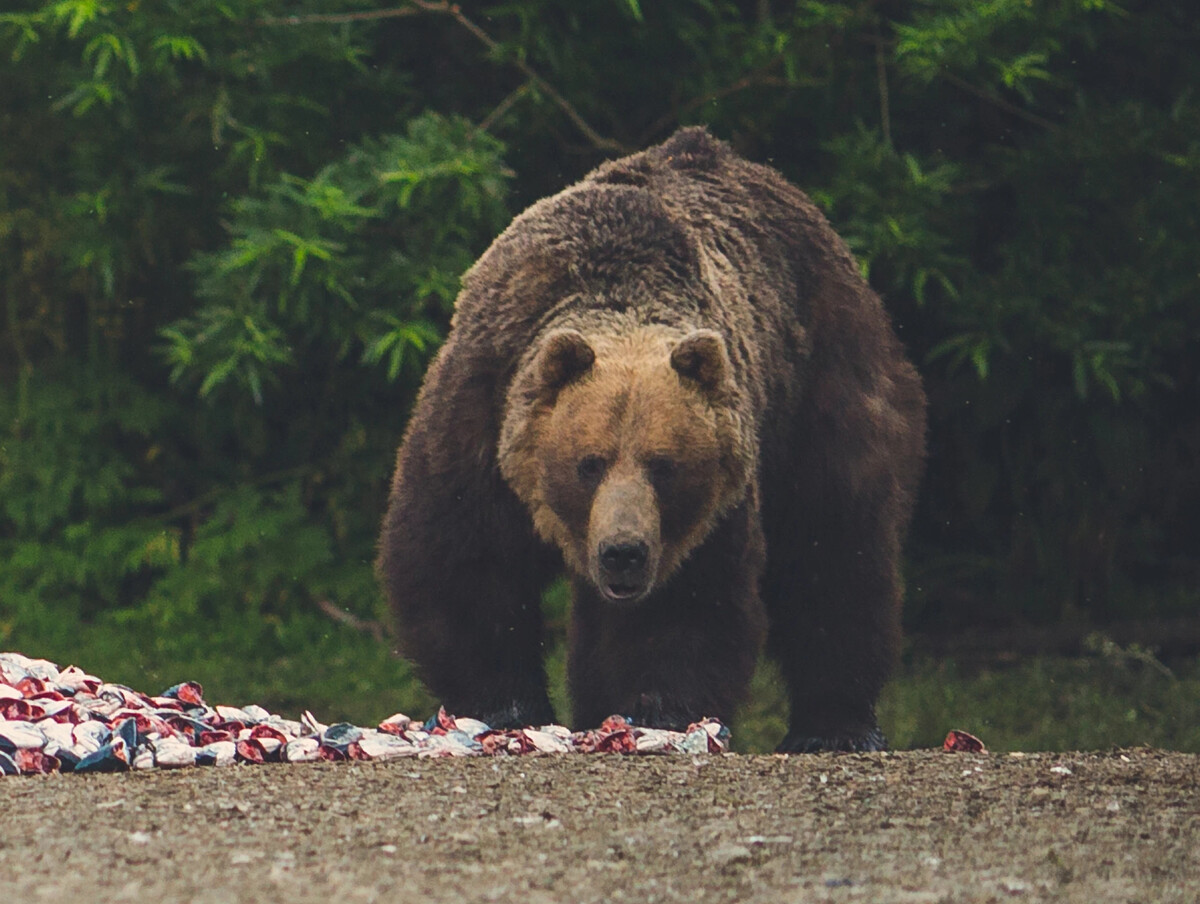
<point x="893" y="212"/>
<point x="231" y="232"/>
<point x="325" y="266"/>
<point x="1008" y="42"/>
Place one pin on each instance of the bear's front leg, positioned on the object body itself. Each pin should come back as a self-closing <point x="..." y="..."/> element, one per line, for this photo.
<point x="459" y="562"/>
<point x="685" y="652"/>
<point x="467" y="607"/>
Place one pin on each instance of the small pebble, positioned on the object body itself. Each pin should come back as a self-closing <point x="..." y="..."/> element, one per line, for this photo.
<point x="727" y="854"/>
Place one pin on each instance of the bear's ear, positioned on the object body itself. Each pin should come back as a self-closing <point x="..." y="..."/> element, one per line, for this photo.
<point x="565" y="356"/>
<point x="701" y="356"/>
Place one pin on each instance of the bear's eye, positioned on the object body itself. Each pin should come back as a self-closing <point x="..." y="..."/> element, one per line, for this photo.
<point x="591" y="468"/>
<point x="661" y="469"/>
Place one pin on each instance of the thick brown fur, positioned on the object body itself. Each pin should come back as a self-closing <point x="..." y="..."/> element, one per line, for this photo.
<point x="679" y="350"/>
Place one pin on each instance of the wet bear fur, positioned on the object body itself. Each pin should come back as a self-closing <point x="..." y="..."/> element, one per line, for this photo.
<point x="671" y="381"/>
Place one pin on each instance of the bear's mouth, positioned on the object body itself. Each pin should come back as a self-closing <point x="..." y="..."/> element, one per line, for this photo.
<point x="622" y="592"/>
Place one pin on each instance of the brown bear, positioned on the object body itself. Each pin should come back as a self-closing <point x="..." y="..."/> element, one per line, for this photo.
<point x="672" y="380"/>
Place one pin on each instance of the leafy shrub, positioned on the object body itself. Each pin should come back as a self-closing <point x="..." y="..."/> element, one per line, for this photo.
<point x="231" y="232"/>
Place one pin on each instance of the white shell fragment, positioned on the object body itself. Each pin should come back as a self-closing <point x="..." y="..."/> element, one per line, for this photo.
<point x="66" y="720"/>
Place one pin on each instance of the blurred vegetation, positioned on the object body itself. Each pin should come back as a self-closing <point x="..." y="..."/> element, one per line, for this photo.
<point x="1120" y="698"/>
<point x="231" y="233"/>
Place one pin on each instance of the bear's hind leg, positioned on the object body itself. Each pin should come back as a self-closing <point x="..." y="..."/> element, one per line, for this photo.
<point x="839" y="495"/>
<point x="834" y="602"/>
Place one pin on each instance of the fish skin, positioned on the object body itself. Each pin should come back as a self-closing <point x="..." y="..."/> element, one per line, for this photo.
<point x="545" y="742"/>
<point x="112" y="757"/>
<point x="36" y="762"/>
<point x="20" y="735"/>
<point x="341" y="735"/>
<point x="653" y="740"/>
<point x="384" y="746"/>
<point x="472" y="727"/>
<point x="69" y="721"/>
<point x="172" y="753"/>
<point x="301" y="750"/>
<point x="219" y="753"/>
<point x="395" y="723"/>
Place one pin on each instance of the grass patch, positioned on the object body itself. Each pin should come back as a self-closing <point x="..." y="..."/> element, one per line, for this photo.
<point x="1113" y="698"/>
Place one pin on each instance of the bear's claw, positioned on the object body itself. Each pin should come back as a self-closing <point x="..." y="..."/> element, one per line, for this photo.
<point x="652" y="711"/>
<point x="870" y="742"/>
<point x="518" y="714"/>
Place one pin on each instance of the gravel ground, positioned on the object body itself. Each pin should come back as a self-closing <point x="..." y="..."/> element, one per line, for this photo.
<point x="911" y="827"/>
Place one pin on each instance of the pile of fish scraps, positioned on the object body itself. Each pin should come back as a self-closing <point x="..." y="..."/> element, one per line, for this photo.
<point x="65" y="720"/>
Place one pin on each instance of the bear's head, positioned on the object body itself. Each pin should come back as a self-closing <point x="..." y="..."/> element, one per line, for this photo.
<point x="626" y="450"/>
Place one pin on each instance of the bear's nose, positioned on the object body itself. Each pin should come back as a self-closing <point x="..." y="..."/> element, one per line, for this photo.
<point x="621" y="558"/>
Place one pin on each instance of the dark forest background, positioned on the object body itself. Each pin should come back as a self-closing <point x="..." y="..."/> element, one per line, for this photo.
<point x="231" y="233"/>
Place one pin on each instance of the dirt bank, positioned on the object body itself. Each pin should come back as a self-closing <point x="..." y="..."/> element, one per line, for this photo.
<point x="903" y="827"/>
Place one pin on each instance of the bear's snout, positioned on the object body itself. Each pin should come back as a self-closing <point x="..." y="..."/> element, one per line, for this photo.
<point x="624" y="569"/>
<point x="625" y="541"/>
<point x="624" y="558"/>
<point x="623" y="572"/>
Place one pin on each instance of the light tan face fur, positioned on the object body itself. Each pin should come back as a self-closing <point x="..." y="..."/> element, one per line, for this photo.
<point x="624" y="452"/>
